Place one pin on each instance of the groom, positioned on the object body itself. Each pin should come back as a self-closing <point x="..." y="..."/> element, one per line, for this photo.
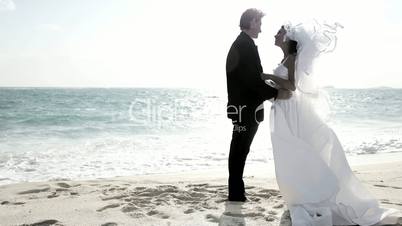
<point x="246" y="94"/>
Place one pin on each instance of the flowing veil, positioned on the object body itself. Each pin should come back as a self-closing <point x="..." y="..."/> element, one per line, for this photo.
<point x="313" y="39"/>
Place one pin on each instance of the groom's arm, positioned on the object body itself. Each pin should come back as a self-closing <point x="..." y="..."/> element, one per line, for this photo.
<point x="249" y="72"/>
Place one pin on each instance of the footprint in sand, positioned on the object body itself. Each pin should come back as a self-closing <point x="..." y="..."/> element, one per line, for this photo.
<point x="205" y="205"/>
<point x="108" y="207"/>
<point x="202" y="190"/>
<point x="114" y="197"/>
<point x="63" y="185"/>
<point x="117" y="188"/>
<point x="270" y="218"/>
<point x="189" y="211"/>
<point x="272" y="212"/>
<point x="212" y="218"/>
<point x="32" y="191"/>
<point x="53" y="195"/>
<point x="12" y="203"/>
<point x="129" y="208"/>
<point x="109" y="224"/>
<point x="254" y="199"/>
<point x="254" y="215"/>
<point x="152" y="212"/>
<point x="196" y="185"/>
<point x="160" y="201"/>
<point x="62" y="189"/>
<point x="150" y="192"/>
<point x="142" y="205"/>
<point x="220" y="200"/>
<point x="392" y="203"/>
<point x="260" y="209"/>
<point x="197" y="195"/>
<point x="44" y="223"/>
<point x="158" y="214"/>
<point x="136" y="215"/>
<point x="140" y="188"/>
<point x="164" y="216"/>
<point x="278" y="206"/>
<point x="266" y="193"/>
<point x="385" y="186"/>
<point x="168" y="188"/>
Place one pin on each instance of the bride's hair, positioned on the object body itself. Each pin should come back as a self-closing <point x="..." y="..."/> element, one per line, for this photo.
<point x="292" y="44"/>
<point x="292" y="47"/>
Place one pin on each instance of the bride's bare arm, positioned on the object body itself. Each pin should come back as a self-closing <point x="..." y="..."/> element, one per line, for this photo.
<point x="289" y="83"/>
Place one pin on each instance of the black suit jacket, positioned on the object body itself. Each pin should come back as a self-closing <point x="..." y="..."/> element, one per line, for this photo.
<point x="246" y="90"/>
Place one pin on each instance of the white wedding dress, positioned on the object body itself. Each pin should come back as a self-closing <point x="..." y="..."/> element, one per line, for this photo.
<point x="312" y="171"/>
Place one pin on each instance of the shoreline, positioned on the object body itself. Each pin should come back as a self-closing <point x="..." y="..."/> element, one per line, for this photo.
<point x="260" y="169"/>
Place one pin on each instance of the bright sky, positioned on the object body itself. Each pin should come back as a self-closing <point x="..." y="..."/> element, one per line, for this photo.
<point x="181" y="43"/>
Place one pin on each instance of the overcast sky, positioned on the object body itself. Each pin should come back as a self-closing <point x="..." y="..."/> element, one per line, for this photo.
<point x="183" y="43"/>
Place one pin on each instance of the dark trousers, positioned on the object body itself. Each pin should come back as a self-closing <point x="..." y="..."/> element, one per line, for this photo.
<point x="242" y="138"/>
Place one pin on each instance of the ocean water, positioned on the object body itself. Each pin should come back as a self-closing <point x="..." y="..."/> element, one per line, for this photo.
<point x="88" y="133"/>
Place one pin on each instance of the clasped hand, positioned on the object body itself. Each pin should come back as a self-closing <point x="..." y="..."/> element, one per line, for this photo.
<point x="283" y="94"/>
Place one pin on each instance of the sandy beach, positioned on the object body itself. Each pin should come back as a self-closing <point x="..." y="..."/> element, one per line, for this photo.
<point x="190" y="198"/>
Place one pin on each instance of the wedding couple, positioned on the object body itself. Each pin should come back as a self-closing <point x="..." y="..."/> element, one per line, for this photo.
<point x="312" y="171"/>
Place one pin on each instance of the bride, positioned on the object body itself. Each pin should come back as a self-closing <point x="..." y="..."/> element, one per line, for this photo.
<point x="311" y="168"/>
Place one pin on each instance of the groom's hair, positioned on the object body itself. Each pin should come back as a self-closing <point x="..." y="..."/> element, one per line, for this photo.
<point x="248" y="16"/>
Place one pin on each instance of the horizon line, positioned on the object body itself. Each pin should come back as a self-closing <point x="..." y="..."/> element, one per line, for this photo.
<point x="177" y="87"/>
